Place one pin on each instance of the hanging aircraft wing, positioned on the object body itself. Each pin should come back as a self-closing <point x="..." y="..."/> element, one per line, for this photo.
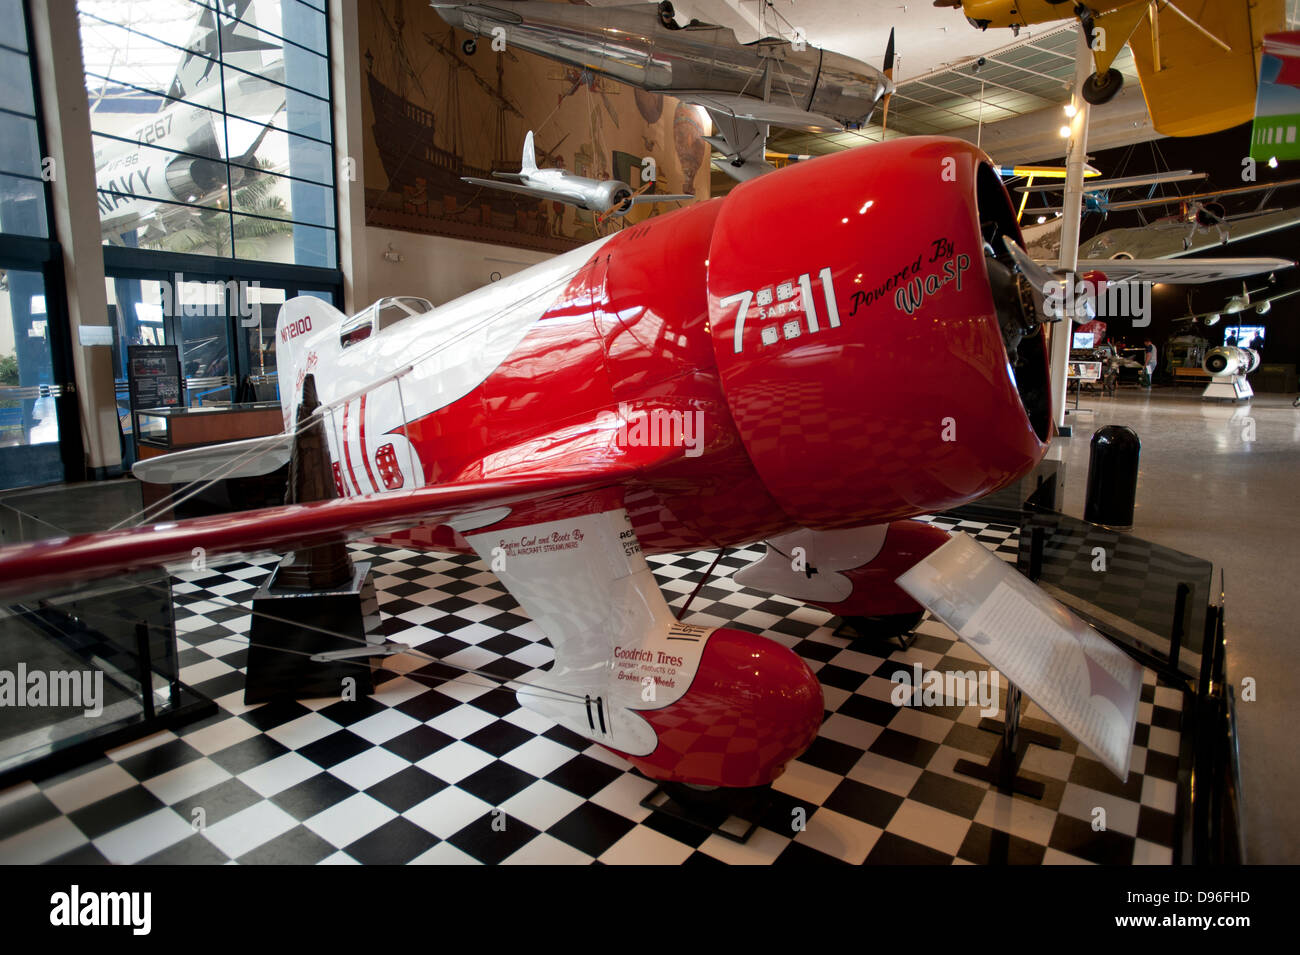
<point x="514" y="187"/>
<point x="1018" y="171"/>
<point x="1170" y="239"/>
<point x="1128" y="204"/>
<point x="1181" y="272"/>
<point x="1185" y="272"/>
<point x="657" y="197"/>
<point x="1198" y="62"/>
<point x="1127" y="182"/>
<point x="740" y="106"/>
<point x="1197" y="196"/>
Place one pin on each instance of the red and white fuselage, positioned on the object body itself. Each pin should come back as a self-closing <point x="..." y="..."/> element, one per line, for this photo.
<point x="867" y="382"/>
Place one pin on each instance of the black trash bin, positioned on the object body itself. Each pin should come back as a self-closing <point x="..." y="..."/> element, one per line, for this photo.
<point x="1112" y="477"/>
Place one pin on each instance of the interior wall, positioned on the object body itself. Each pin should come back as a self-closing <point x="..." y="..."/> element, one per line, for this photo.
<point x="439" y="268"/>
<point x="435" y="267"/>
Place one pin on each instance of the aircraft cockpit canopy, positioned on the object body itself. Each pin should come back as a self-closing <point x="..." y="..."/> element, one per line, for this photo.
<point x="383" y="314"/>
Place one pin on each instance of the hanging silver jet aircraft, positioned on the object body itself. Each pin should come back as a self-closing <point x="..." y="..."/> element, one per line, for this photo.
<point x="560" y="185"/>
<point x="744" y="87"/>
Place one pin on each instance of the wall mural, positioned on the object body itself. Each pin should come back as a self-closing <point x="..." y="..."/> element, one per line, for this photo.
<point x="433" y="112"/>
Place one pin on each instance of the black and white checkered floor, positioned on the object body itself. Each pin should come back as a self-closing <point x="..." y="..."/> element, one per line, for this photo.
<point x="433" y="770"/>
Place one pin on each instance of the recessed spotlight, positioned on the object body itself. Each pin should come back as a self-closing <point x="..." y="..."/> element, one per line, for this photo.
<point x="1065" y="132"/>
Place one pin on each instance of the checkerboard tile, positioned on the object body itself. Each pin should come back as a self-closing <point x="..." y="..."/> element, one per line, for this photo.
<point x="439" y="766"/>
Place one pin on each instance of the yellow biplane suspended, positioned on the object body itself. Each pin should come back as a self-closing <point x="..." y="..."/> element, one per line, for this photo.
<point x="1197" y="60"/>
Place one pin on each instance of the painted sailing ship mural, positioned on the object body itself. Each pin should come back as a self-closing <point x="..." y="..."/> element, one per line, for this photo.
<point x="437" y="109"/>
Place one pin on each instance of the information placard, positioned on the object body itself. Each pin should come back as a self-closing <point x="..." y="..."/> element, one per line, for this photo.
<point x="1082" y="680"/>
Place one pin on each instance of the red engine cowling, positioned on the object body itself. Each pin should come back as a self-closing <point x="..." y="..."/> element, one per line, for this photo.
<point x="862" y="352"/>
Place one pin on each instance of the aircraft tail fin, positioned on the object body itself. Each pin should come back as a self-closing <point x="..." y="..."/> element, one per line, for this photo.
<point x="530" y="156"/>
<point x="306" y="331"/>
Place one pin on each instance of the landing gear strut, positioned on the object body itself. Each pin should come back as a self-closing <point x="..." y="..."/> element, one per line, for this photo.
<point x="898" y="625"/>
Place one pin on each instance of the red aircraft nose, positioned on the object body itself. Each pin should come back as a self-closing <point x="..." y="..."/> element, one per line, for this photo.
<point x="879" y="356"/>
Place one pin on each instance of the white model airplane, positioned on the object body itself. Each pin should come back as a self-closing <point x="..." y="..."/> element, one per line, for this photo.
<point x="608" y="196"/>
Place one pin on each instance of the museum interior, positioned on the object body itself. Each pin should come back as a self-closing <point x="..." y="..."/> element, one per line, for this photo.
<point x="576" y="431"/>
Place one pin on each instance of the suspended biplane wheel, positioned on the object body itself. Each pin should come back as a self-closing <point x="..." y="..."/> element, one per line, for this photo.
<point x="469" y="46"/>
<point x="880" y="628"/>
<point x="1102" y="89"/>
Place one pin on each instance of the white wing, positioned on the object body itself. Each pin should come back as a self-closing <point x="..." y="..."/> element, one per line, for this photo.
<point x="1181" y="271"/>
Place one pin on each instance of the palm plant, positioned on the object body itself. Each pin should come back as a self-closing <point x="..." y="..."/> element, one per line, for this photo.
<point x="210" y="231"/>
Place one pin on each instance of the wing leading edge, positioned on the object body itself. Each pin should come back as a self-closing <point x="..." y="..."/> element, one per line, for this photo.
<point x="50" y="564"/>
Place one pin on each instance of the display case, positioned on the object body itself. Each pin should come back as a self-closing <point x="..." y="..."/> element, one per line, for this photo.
<point x="160" y="430"/>
<point x="91" y="668"/>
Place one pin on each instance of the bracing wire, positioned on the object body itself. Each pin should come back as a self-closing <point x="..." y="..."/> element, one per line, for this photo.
<point x="554" y="694"/>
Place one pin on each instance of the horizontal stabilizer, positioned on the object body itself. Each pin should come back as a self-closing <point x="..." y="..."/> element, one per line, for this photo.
<point x="234" y="459"/>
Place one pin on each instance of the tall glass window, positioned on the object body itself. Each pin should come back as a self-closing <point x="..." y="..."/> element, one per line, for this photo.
<point x="211" y="125"/>
<point x="32" y="309"/>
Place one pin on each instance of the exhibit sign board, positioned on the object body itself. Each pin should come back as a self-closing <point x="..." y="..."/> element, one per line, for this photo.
<point x="1085" y="370"/>
<point x="154" y="377"/>
<point x="1082" y="680"/>
<point x="1276" y="133"/>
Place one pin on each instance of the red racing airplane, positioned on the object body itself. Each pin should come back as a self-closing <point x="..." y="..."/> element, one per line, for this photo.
<point x="827" y="352"/>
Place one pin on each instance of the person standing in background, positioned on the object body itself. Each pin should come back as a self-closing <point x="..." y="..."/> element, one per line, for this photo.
<point x="1149" y="368"/>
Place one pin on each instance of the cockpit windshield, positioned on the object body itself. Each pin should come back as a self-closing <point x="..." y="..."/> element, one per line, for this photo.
<point x="393" y="310"/>
<point x="384" y="314"/>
